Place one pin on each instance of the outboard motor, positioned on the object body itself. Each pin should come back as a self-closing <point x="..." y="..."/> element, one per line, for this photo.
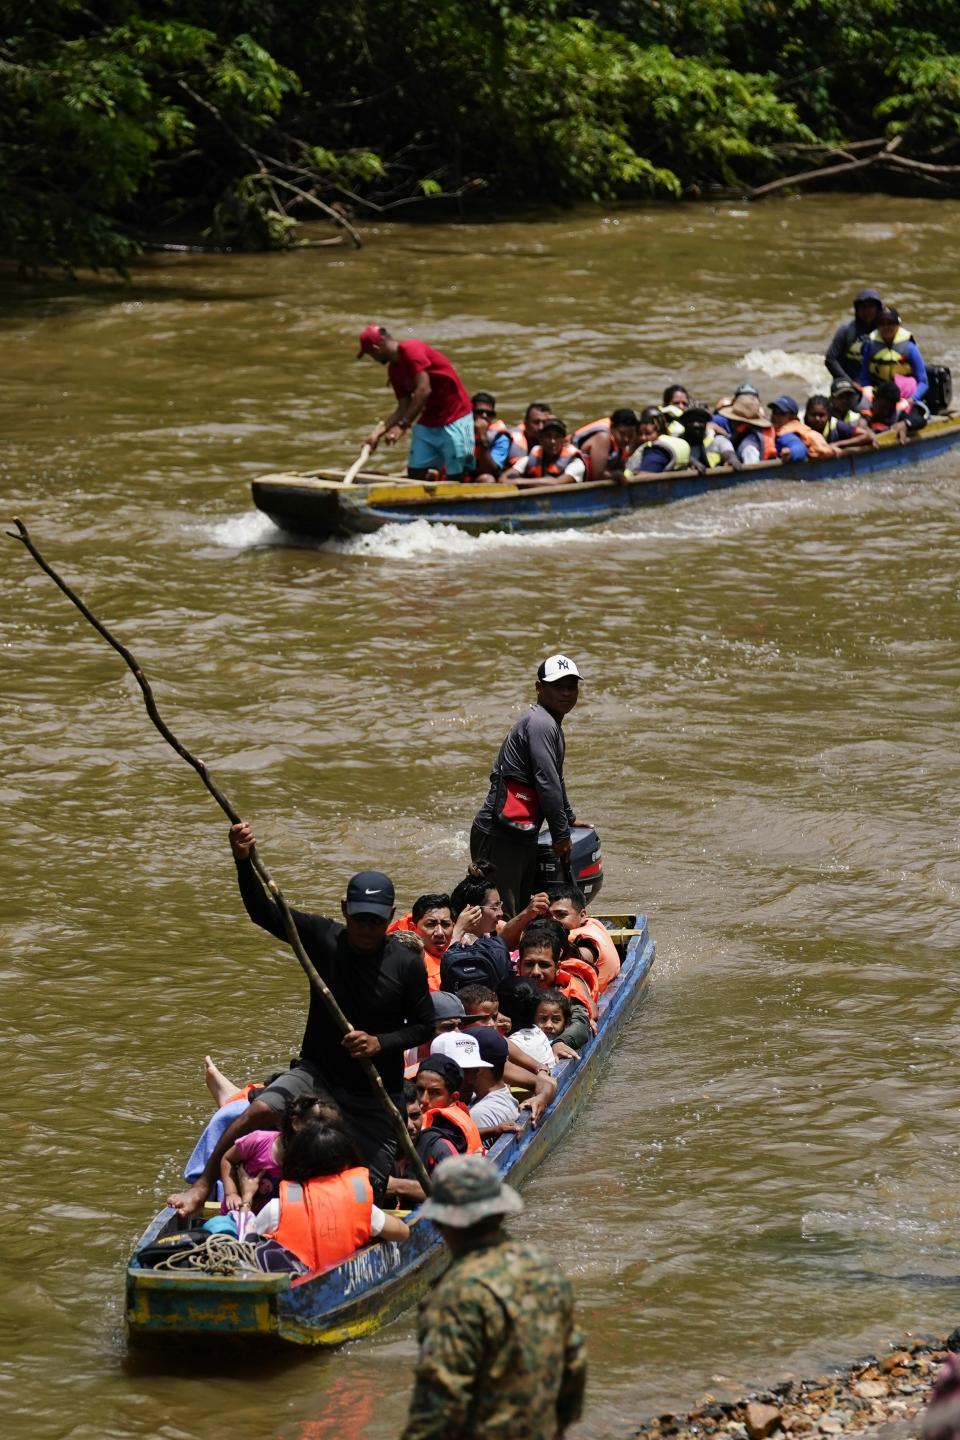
<point x="586" y="861"/>
<point x="939" y="396"/>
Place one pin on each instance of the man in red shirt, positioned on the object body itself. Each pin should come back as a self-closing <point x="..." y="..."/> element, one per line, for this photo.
<point x="431" y="402"/>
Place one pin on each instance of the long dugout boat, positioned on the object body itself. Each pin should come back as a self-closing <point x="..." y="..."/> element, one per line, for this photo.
<point x="318" y="506"/>
<point x="376" y="1284"/>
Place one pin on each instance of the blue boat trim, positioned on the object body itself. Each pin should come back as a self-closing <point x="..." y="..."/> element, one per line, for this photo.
<point x="380" y="1281"/>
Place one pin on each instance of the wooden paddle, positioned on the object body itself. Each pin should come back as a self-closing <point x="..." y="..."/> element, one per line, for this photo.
<point x="397" y="1122"/>
<point x="357" y="466"/>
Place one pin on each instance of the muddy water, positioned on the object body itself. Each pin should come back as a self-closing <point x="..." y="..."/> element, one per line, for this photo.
<point x="766" y="1178"/>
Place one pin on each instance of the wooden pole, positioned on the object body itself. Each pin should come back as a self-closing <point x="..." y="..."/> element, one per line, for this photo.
<point x="273" y="889"/>
<point x="357" y="466"/>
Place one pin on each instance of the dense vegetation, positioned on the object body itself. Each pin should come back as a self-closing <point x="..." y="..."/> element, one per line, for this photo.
<point x="136" y="119"/>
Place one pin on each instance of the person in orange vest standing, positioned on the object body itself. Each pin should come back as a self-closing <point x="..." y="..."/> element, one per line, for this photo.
<point x="432" y="403"/>
<point x="527" y="787"/>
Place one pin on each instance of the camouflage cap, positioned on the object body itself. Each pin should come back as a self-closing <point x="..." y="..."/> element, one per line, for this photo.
<point x="466" y="1189"/>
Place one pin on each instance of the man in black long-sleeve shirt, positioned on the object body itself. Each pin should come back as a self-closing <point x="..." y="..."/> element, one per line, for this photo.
<point x="381" y="987"/>
<point x="527" y="787"/>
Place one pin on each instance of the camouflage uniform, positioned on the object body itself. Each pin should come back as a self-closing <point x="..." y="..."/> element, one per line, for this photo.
<point x="500" y="1356"/>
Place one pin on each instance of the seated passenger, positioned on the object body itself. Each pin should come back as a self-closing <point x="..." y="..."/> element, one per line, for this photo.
<point x="844" y="401"/>
<point x="491" y="439"/>
<point x="542" y="947"/>
<point x="480" y="1005"/>
<point x="709" y="445"/>
<point x="432" y="920"/>
<point x="251" y="1170"/>
<point x="657" y="450"/>
<point x="607" y="444"/>
<point x="553" y="462"/>
<point x="476" y="955"/>
<point x="845" y="354"/>
<point x="448" y="1015"/>
<point x="891" y="353"/>
<point x="553" y="1014"/>
<point x="884" y="408"/>
<point x="568" y="906"/>
<point x="493" y="1108"/>
<point x="403" y="1193"/>
<point x="676" y="399"/>
<point x="325" y="1210"/>
<point x="524" y="437"/>
<point x="840" y="433"/>
<point x="451" y="1116"/>
<point x="520" y="999"/>
<point x="438" y="1083"/>
<point x="794" y="440"/>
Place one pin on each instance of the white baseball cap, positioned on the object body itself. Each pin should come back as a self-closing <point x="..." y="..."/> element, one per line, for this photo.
<point x="462" y="1048"/>
<point x="557" y="667"/>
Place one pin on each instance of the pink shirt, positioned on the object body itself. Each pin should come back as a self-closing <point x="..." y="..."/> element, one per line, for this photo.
<point x="255" y="1153"/>
<point x="448" y="400"/>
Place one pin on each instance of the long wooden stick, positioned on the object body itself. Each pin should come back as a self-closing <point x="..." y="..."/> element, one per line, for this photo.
<point x="357" y="465"/>
<point x="273" y="889"/>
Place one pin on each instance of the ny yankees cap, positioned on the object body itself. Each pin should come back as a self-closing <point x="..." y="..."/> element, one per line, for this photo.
<point x="557" y="667"/>
<point x="371" y="893"/>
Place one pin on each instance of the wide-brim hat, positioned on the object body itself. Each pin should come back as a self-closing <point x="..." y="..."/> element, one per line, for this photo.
<point x="468" y="1189"/>
<point x="746" y="410"/>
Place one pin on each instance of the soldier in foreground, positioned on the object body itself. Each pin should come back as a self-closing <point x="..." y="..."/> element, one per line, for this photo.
<point x="500" y="1355"/>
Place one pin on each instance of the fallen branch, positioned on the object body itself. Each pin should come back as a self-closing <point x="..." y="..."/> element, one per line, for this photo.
<point x="824" y="170"/>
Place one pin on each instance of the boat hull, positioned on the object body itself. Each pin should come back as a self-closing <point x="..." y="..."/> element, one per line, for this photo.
<point x="319" y="506"/>
<point x="379" y="1282"/>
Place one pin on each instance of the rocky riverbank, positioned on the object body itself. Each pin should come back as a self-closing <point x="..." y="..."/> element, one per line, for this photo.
<point x="883" y="1396"/>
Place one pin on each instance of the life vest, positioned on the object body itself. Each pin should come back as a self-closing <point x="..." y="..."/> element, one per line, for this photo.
<point x="536" y="468"/>
<point x="242" y="1094"/>
<point x="494" y="428"/>
<point x="713" y="455"/>
<point x="903" y="408"/>
<point x="679" y="450"/>
<point x="324" y="1220"/>
<point x="518" y="442"/>
<point x="616" y="458"/>
<point x="674" y="414"/>
<point x="852" y="417"/>
<point x="459" y="1116"/>
<point x="887" y="360"/>
<point x="763" y="433"/>
<point x="579" y="981"/>
<point x="854" y="352"/>
<point x="609" y="957"/>
<point x="817" y="445"/>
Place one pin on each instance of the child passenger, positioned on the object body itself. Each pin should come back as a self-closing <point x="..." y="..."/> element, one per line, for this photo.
<point x="250" y="1170"/>
<point x="553" y="1014"/>
<point x="519" y="1000"/>
<point x="325" y="1210"/>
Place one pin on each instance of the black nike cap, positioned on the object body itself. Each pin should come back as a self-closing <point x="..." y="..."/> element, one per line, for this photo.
<point x="371" y="893"/>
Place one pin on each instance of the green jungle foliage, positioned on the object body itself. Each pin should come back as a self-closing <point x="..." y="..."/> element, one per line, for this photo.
<point x="126" y="121"/>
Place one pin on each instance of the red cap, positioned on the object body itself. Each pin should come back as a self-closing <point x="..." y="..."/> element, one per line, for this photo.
<point x="369" y="336"/>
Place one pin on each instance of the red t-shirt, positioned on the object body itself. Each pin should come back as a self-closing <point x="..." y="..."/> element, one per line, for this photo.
<point x="448" y="400"/>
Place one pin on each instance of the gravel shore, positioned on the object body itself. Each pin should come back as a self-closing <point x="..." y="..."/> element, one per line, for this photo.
<point x="883" y="1396"/>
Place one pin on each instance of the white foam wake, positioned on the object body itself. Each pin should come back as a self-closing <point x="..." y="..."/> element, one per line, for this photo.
<point x="777" y="363"/>
<point x="420" y="537"/>
<point x="244" y="532"/>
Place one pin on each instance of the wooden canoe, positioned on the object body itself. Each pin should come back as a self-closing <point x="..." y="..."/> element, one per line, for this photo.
<point x="379" y="1282"/>
<point x="316" y="505"/>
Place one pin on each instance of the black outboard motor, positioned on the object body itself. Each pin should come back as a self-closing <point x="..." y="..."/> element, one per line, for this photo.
<point x="939" y="396"/>
<point x="586" y="861"/>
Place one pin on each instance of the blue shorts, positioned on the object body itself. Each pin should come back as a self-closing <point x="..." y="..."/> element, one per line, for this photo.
<point x="436" y="446"/>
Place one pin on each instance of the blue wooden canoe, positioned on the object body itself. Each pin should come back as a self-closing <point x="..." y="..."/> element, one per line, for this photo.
<point x="380" y="1281"/>
<point x="319" y="506"/>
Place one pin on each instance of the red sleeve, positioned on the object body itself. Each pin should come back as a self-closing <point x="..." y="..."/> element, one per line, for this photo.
<point x="415" y="356"/>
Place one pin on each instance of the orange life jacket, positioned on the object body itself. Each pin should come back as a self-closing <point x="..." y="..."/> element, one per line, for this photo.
<point x="763" y="433"/>
<point x="816" y="444"/>
<point x="518" y="442"/>
<point x="405" y="922"/>
<point x="242" y="1094"/>
<point x="459" y="1116"/>
<point x="323" y="1221"/>
<point x="616" y="459"/>
<point x="609" y="958"/>
<point x="579" y="981"/>
<point x="536" y="468"/>
<point x="494" y="428"/>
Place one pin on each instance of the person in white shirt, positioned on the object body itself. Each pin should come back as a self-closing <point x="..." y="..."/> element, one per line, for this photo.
<point x="494" y="1109"/>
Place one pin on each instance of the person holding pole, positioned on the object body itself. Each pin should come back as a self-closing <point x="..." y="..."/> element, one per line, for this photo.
<point x="379" y="984"/>
<point x="527" y="787"/>
<point x="432" y="403"/>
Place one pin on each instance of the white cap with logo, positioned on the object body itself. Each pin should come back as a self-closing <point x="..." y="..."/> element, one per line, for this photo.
<point x="462" y="1048"/>
<point x="557" y="667"/>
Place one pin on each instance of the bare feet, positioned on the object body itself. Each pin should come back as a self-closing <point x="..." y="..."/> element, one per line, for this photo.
<point x="217" y="1083"/>
<point x="188" y="1202"/>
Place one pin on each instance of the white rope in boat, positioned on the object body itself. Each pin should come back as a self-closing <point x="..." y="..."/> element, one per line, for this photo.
<point x="217" y="1255"/>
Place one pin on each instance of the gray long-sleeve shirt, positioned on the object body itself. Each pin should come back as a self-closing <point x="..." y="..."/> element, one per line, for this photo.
<point x="533" y="754"/>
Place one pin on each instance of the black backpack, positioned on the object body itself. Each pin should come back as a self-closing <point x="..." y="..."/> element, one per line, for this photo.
<point x="486" y="962"/>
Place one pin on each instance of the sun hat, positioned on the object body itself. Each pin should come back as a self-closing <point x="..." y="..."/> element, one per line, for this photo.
<point x="557" y="667"/>
<point x="468" y="1189"/>
<point x="463" y="1049"/>
<point x="747" y="410"/>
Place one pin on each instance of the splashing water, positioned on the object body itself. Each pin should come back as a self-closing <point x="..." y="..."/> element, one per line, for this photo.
<point x="776" y="363"/>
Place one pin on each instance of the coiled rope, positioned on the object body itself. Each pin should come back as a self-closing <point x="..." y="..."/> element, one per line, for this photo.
<point x="217" y="1255"/>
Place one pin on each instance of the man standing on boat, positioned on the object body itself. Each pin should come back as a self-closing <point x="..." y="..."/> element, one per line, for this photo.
<point x="844" y="356"/>
<point x="527" y="787"/>
<point x="432" y="404"/>
<point x="500" y="1353"/>
<point x="381" y="987"/>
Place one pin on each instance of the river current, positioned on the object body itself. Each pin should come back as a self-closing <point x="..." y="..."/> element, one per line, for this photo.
<point x="764" y="1180"/>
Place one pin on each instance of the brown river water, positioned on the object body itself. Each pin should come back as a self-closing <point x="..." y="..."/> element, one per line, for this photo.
<point x="766" y="1178"/>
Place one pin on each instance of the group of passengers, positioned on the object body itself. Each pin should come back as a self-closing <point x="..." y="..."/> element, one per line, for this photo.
<point x="879" y="385"/>
<point x="511" y="1000"/>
